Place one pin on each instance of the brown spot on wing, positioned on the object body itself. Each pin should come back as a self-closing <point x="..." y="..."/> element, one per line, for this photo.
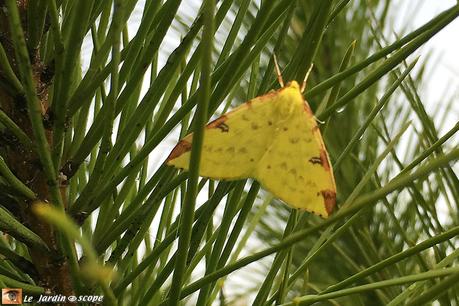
<point x="223" y="127"/>
<point x="321" y="160"/>
<point x="315" y="160"/>
<point x="182" y="147"/>
<point x="329" y="200"/>
<point x="219" y="123"/>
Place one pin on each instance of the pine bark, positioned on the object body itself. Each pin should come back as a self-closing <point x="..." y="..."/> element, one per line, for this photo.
<point x="52" y="269"/>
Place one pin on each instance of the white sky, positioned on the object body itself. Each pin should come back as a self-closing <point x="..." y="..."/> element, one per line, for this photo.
<point x="445" y="46"/>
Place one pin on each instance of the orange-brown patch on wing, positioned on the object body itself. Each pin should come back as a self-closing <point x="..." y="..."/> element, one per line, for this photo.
<point x="182" y="147"/>
<point x="324" y="160"/>
<point x="329" y="200"/>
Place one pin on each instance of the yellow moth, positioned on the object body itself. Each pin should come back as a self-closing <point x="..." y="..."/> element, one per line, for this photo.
<point x="273" y="138"/>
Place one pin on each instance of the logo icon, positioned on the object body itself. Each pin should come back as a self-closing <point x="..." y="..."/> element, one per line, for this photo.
<point x="11" y="296"/>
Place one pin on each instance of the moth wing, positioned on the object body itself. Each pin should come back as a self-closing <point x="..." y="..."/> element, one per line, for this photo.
<point x="296" y="166"/>
<point x="234" y="143"/>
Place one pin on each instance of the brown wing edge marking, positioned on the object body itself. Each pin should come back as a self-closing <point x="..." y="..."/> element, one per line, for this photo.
<point x="182" y="147"/>
<point x="328" y="195"/>
<point x="307" y="108"/>
<point x="329" y="200"/>
<point x="324" y="159"/>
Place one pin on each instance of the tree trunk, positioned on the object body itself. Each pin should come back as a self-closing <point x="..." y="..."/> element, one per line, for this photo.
<point x="52" y="268"/>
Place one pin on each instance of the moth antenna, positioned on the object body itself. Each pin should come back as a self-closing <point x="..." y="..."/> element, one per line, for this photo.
<point x="278" y="72"/>
<point x="303" y="87"/>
